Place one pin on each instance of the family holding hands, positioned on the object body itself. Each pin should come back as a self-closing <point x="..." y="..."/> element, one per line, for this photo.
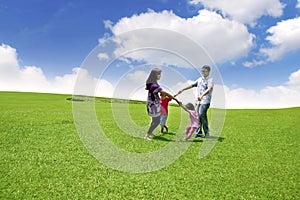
<point x="157" y="107"/>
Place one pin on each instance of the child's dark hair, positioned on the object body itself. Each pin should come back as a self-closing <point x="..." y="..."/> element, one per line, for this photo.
<point x="190" y="106"/>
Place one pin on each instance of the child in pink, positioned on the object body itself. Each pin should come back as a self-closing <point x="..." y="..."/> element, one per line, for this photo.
<point x="189" y="130"/>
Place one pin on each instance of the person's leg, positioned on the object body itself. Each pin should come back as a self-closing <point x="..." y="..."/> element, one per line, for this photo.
<point x="205" y="120"/>
<point x="154" y="123"/>
<point x="162" y="129"/>
<point x="190" y="133"/>
<point x="199" y="130"/>
<point x="161" y="124"/>
<point x="166" y="127"/>
<point x="187" y="129"/>
<point x="163" y="119"/>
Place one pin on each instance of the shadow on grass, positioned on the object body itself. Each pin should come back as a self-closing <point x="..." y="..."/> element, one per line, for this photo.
<point x="162" y="138"/>
<point x="198" y="140"/>
<point x="220" y="139"/>
<point x="168" y="133"/>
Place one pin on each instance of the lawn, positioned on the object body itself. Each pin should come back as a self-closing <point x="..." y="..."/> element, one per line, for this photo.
<point x="43" y="157"/>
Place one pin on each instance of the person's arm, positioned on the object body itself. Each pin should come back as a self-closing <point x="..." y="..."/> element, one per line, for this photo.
<point x="197" y="105"/>
<point x="176" y="100"/>
<point x="184" y="108"/>
<point x="170" y="96"/>
<point x="208" y="90"/>
<point x="186" y="88"/>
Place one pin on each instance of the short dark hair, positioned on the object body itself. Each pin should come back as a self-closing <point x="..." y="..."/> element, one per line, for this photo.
<point x="207" y="67"/>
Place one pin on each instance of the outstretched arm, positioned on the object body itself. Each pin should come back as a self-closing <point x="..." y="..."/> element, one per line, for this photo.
<point x="177" y="101"/>
<point x="184" y="108"/>
<point x="170" y="96"/>
<point x="186" y="88"/>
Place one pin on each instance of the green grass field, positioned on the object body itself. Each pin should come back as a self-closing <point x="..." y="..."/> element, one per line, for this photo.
<point x="43" y="157"/>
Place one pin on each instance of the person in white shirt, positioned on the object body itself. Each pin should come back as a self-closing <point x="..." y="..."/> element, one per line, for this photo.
<point x="204" y="86"/>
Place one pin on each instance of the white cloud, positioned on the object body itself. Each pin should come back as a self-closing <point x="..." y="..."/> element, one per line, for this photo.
<point x="102" y="41"/>
<point x="188" y="96"/>
<point x="108" y="24"/>
<point x="285" y="37"/>
<point x="104" y="88"/>
<point x="254" y="63"/>
<point x="12" y="77"/>
<point x="286" y="95"/>
<point x="103" y="56"/>
<point x="223" y="39"/>
<point x="294" y="80"/>
<point x="138" y="76"/>
<point x="8" y="61"/>
<point x="139" y="94"/>
<point x="32" y="78"/>
<point x="298" y="4"/>
<point x="245" y="11"/>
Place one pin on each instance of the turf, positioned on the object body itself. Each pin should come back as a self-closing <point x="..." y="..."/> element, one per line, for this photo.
<point x="42" y="156"/>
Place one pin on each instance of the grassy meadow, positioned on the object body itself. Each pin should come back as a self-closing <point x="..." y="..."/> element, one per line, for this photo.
<point x="42" y="156"/>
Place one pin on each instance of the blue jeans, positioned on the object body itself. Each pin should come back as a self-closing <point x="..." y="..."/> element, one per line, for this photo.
<point x="203" y="121"/>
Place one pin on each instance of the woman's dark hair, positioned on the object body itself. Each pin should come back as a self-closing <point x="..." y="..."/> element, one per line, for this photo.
<point x="190" y="106"/>
<point x="152" y="78"/>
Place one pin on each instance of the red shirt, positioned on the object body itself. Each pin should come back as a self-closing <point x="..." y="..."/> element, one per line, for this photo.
<point x="164" y="105"/>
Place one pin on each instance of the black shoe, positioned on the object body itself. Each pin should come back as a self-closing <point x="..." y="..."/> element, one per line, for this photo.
<point x="167" y="129"/>
<point x="162" y="130"/>
<point x="198" y="136"/>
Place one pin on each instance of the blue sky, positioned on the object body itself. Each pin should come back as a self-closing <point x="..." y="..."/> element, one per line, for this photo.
<point x="254" y="44"/>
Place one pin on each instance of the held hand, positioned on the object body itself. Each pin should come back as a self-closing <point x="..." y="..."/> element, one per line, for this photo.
<point x="179" y="92"/>
<point x="179" y="102"/>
